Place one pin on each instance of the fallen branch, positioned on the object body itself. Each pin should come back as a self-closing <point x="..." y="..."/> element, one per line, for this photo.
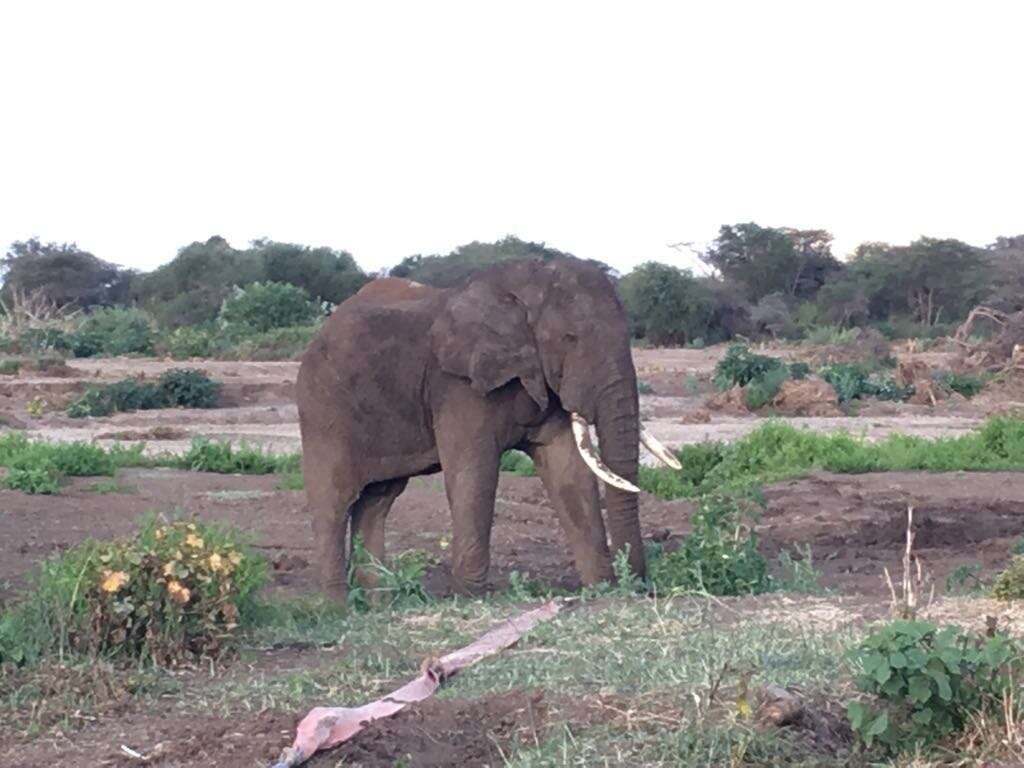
<point x="326" y="727"/>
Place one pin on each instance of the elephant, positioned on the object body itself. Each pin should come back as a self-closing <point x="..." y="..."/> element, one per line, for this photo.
<point x="404" y="379"/>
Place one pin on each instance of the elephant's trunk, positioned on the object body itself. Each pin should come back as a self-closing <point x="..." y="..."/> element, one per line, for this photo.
<point x="618" y="433"/>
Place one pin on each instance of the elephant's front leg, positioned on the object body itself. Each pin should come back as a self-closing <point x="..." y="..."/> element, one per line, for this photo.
<point x="470" y="459"/>
<point x="573" y="492"/>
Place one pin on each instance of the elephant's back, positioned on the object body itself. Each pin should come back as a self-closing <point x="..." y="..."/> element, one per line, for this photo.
<point x="366" y="369"/>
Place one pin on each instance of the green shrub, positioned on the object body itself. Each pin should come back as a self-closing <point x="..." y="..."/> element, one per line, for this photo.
<point x="33" y="475"/>
<point x="719" y="556"/>
<point x="760" y="392"/>
<point x="189" y="388"/>
<point x="1009" y="584"/>
<point x="740" y="366"/>
<point x="44" y="340"/>
<point x="398" y="584"/>
<point x="9" y="367"/>
<point x="189" y="341"/>
<point x="643" y="388"/>
<point x="852" y="381"/>
<point x="962" y="383"/>
<point x="698" y="460"/>
<point x="113" y="331"/>
<point x="222" y="457"/>
<point x="799" y="371"/>
<point x="927" y="682"/>
<point x="261" y="307"/>
<point x="173" y="592"/>
<point x="518" y="463"/>
<point x="276" y="344"/>
<point x="183" y="387"/>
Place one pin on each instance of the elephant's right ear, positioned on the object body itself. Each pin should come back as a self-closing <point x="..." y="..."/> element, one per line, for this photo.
<point x="482" y="335"/>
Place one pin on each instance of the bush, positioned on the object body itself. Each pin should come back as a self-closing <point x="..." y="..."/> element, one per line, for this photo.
<point x="852" y="381"/>
<point x="189" y="388"/>
<point x="927" y="682"/>
<point x="261" y="307"/>
<point x="1009" y="584"/>
<point x="399" y="584"/>
<point x="184" y="387"/>
<point x="33" y="475"/>
<point x="759" y="392"/>
<point x="189" y="341"/>
<point x="518" y="463"/>
<point x="740" y="366"/>
<point x="9" y="367"/>
<point x="698" y="461"/>
<point x="962" y="383"/>
<point x="719" y="556"/>
<point x="277" y="344"/>
<point x="207" y="456"/>
<point x="113" y="331"/>
<point x="173" y="592"/>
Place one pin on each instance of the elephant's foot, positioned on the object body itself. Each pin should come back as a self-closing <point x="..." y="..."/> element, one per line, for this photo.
<point x="471" y="586"/>
<point x="336" y="592"/>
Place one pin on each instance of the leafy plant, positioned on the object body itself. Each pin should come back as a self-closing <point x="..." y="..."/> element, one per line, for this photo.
<point x="170" y="593"/>
<point x="761" y="391"/>
<point x="698" y="460"/>
<point x="33" y="475"/>
<point x="961" y="383"/>
<point x="964" y="579"/>
<point x="740" y="366"/>
<point x="1009" y="584"/>
<point x="517" y="463"/>
<point x="189" y="388"/>
<point x="853" y="381"/>
<point x="643" y="388"/>
<point x="205" y="455"/>
<point x="927" y="682"/>
<point x="9" y="367"/>
<point x="189" y="341"/>
<point x="261" y="307"/>
<point x="113" y="331"/>
<point x="397" y="584"/>
<point x="798" y="575"/>
<point x="719" y="556"/>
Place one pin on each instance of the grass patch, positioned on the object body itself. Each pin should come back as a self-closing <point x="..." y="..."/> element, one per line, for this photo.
<point x="776" y="451"/>
<point x="225" y="458"/>
<point x="517" y="463"/>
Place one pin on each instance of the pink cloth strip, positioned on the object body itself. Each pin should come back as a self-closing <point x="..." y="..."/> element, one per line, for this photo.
<point x="326" y="727"/>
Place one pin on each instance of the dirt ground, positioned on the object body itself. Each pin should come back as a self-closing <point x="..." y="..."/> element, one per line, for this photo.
<point x="853" y="524"/>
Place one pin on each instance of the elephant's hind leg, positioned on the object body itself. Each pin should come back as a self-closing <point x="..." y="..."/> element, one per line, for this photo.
<point x="572" y="490"/>
<point x="329" y="496"/>
<point x="368" y="516"/>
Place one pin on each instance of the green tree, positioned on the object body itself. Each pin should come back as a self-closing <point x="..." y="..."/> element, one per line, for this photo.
<point x="453" y="268"/>
<point x="323" y="273"/>
<point x="260" y="307"/>
<point x="65" y="273"/>
<point x="190" y="288"/>
<point x="666" y="305"/>
<point x="1006" y="261"/>
<point x="843" y="300"/>
<point x="766" y="260"/>
<point x="929" y="280"/>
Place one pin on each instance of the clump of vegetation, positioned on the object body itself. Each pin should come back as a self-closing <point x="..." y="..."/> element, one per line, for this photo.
<point x="853" y="381"/>
<point x="179" y="387"/>
<point x="740" y="367"/>
<point x="275" y="344"/>
<point x="113" y="331"/>
<point x="10" y="367"/>
<point x="173" y="592"/>
<point x="518" y="463"/>
<point x="719" y="556"/>
<point x="761" y="391"/>
<point x="399" y="584"/>
<point x="927" y="683"/>
<point x="643" y="388"/>
<point x="208" y="456"/>
<point x="261" y="307"/>
<point x="962" y="383"/>
<point x="189" y="341"/>
<point x="1009" y="584"/>
<point x="698" y="460"/>
<point x="39" y="467"/>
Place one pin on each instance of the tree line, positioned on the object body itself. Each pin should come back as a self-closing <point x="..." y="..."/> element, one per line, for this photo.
<point x="762" y="281"/>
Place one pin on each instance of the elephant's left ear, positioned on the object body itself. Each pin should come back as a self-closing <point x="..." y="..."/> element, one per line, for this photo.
<point x="483" y="335"/>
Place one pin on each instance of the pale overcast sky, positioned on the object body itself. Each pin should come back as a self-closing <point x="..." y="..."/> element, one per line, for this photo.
<point x="606" y="129"/>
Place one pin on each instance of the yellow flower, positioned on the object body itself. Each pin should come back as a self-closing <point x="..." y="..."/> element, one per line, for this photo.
<point x="215" y="562"/>
<point x="113" y="581"/>
<point x="194" y="541"/>
<point x="178" y="592"/>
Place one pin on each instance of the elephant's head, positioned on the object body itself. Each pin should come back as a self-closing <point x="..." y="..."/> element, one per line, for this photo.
<point x="558" y="326"/>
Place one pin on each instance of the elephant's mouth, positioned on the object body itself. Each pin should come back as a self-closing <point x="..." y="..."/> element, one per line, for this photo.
<point x="581" y="433"/>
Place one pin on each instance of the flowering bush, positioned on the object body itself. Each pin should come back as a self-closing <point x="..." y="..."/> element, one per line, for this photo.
<point x="172" y="593"/>
<point x="175" y="591"/>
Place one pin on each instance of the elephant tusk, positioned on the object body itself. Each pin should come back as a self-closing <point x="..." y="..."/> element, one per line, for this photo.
<point x="663" y="454"/>
<point x="581" y="432"/>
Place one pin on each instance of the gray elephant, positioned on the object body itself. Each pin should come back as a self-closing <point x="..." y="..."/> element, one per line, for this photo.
<point x="407" y="380"/>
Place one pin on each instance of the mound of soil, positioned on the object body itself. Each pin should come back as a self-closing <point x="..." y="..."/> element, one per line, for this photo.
<point x="868" y="346"/>
<point x="729" y="401"/>
<point x="444" y="732"/>
<point x="807" y="397"/>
